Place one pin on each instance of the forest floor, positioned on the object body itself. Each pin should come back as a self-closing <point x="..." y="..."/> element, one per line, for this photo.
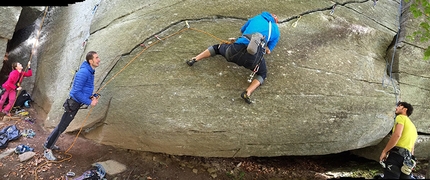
<point x="79" y="156"/>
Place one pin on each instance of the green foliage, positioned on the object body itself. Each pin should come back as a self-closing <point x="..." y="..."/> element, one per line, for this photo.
<point x="421" y="8"/>
<point x="427" y="53"/>
<point x="366" y="173"/>
<point x="233" y="176"/>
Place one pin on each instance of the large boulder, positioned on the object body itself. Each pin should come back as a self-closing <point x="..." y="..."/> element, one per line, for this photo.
<point x="28" y="16"/>
<point x="18" y="23"/>
<point x="328" y="89"/>
<point x="9" y="17"/>
<point x="409" y="68"/>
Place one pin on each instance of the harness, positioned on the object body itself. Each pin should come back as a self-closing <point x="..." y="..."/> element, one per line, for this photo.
<point x="409" y="162"/>
<point x="260" y="53"/>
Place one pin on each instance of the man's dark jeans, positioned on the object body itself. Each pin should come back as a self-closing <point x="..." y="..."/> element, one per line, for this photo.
<point x="61" y="127"/>
<point x="392" y="167"/>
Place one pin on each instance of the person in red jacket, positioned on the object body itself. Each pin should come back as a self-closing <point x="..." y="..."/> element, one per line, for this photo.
<point x="11" y="86"/>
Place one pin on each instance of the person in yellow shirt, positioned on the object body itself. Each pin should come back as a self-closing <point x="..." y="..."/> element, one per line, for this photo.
<point x="398" y="153"/>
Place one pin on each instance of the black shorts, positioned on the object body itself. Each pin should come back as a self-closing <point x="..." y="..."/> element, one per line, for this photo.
<point x="238" y="54"/>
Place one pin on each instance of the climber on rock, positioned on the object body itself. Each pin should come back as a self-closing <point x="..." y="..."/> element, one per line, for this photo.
<point x="236" y="52"/>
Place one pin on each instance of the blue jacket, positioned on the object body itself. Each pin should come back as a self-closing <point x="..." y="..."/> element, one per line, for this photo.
<point x="260" y="23"/>
<point x="83" y="85"/>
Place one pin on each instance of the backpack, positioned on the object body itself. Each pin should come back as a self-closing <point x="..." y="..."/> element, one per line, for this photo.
<point x="3" y="141"/>
<point x="7" y="134"/>
<point x="12" y="132"/>
<point x="23" y="99"/>
<point x="97" y="172"/>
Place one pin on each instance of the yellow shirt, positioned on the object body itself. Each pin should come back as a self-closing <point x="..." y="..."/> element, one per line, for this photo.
<point x="409" y="134"/>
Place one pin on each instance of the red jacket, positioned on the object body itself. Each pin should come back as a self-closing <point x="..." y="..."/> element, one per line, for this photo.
<point x="14" y="76"/>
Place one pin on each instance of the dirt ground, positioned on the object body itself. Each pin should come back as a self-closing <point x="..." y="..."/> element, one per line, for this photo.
<point x="157" y="166"/>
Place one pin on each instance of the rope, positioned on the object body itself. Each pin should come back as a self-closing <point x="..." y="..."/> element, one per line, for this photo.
<point x="67" y="151"/>
<point x="113" y="77"/>
<point x="35" y="44"/>
<point x="31" y="55"/>
<point x="394" y="54"/>
<point x="152" y="44"/>
<point x="295" y="23"/>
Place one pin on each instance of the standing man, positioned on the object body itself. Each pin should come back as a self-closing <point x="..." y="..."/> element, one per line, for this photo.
<point x="80" y="94"/>
<point x="398" y="153"/>
<point x="265" y="24"/>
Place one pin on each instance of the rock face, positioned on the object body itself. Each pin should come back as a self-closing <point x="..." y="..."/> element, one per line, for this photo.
<point x="17" y="23"/>
<point x="328" y="89"/>
<point x="9" y="17"/>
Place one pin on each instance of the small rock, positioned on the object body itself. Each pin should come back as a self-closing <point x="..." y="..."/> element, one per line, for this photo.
<point x="7" y="153"/>
<point x="195" y="171"/>
<point x="26" y="156"/>
<point x="113" y="167"/>
<point x="212" y="170"/>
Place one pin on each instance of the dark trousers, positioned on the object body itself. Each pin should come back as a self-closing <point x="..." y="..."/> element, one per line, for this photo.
<point x="61" y="127"/>
<point x="392" y="167"/>
<point x="237" y="54"/>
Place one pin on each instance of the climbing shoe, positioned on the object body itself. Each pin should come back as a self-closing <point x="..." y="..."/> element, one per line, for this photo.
<point x="246" y="97"/>
<point x="191" y="62"/>
<point x="48" y="155"/>
<point x="54" y="147"/>
<point x="23" y="148"/>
